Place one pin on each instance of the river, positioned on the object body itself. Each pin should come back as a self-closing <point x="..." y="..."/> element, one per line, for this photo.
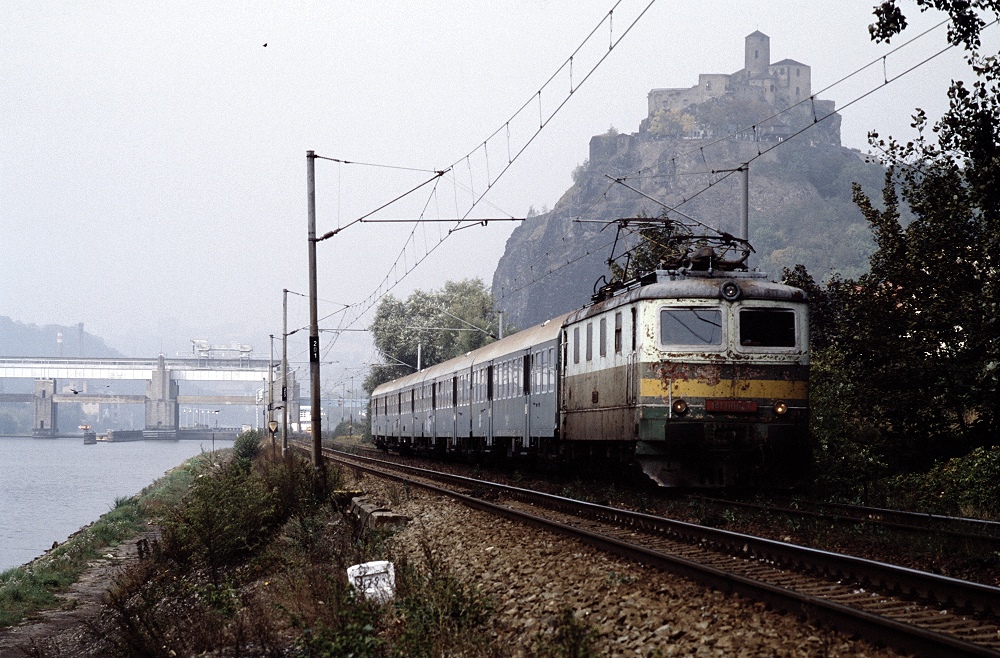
<point x="50" y="488"/>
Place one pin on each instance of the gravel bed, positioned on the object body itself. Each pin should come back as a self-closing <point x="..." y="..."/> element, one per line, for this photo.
<point x="533" y="575"/>
<point x="929" y="555"/>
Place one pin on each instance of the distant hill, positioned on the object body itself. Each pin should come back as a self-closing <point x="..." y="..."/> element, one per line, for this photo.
<point x="19" y="339"/>
<point x="799" y="195"/>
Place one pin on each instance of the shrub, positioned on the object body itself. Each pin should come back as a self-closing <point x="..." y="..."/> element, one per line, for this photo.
<point x="440" y="614"/>
<point x="226" y="516"/>
<point x="246" y="446"/>
<point x="964" y="486"/>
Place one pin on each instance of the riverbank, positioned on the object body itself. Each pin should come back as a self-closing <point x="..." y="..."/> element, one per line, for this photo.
<point x="65" y="628"/>
<point x="51" y="488"/>
<point x="253" y="563"/>
<point x="36" y="586"/>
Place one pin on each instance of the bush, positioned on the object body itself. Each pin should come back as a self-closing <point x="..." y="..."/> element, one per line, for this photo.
<point x="246" y="446"/>
<point x="440" y="615"/>
<point x="226" y="516"/>
<point x="964" y="486"/>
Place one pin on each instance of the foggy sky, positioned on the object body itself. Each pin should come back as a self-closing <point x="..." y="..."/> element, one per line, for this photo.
<point x="152" y="154"/>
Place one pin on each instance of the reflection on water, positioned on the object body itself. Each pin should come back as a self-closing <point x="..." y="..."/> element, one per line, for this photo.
<point x="50" y="488"/>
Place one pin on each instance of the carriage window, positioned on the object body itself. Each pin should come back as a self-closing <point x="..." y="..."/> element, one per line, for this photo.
<point x="767" y="327"/>
<point x="635" y="325"/>
<point x="550" y="370"/>
<point x="576" y="344"/>
<point x="604" y="337"/>
<point x="618" y="333"/>
<point x="590" y="341"/>
<point x="691" y="326"/>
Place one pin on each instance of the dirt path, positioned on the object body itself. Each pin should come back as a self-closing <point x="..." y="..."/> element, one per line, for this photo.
<point x="64" y="632"/>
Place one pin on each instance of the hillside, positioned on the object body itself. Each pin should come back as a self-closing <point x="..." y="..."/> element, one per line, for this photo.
<point x="19" y="339"/>
<point x="799" y="194"/>
<point x="800" y="212"/>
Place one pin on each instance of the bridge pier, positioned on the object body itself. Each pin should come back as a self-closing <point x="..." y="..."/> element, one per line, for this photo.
<point x="162" y="377"/>
<point x="162" y="410"/>
<point x="45" y="424"/>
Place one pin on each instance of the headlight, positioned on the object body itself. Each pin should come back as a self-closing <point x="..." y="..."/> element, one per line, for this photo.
<point x="780" y="408"/>
<point x="730" y="291"/>
<point x="679" y="407"/>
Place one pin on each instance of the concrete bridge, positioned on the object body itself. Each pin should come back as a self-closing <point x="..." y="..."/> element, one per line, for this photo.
<point x="162" y="374"/>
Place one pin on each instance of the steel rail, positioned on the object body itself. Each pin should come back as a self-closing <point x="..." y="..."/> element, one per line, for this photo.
<point x="965" y="595"/>
<point x="972" y="596"/>
<point x="915" y="519"/>
<point x="980" y="531"/>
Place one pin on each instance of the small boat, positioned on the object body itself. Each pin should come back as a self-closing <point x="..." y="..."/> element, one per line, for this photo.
<point x="89" y="435"/>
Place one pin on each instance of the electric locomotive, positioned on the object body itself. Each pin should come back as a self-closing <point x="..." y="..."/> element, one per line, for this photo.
<point x="705" y="373"/>
<point x="698" y="373"/>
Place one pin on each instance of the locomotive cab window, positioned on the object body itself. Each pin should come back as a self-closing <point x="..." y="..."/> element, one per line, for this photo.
<point x="767" y="327"/>
<point x="691" y="327"/>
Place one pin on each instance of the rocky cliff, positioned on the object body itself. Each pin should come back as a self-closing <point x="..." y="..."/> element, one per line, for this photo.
<point x="800" y="212"/>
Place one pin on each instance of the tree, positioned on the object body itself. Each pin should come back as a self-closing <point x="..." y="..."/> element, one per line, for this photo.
<point x="914" y="344"/>
<point x="439" y="324"/>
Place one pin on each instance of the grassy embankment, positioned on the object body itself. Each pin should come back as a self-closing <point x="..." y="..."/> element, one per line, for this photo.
<point x="32" y="587"/>
<point x="253" y="560"/>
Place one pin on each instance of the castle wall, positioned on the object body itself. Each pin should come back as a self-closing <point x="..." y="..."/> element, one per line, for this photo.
<point x="669" y="99"/>
<point x="780" y="84"/>
<point x="793" y="79"/>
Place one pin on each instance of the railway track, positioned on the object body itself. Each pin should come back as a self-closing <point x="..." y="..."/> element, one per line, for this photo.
<point x="983" y="534"/>
<point x="906" y="609"/>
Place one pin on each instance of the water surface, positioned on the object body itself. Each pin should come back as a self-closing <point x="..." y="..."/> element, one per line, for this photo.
<point x="50" y="488"/>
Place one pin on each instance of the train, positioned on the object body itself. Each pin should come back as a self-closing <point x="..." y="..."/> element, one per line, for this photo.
<point x="698" y="376"/>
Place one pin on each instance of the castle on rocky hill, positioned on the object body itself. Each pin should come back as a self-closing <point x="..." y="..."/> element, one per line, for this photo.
<point x="725" y="103"/>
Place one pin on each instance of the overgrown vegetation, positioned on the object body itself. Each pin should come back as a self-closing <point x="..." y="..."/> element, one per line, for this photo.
<point x="964" y="486"/>
<point x="253" y="561"/>
<point x="906" y="357"/>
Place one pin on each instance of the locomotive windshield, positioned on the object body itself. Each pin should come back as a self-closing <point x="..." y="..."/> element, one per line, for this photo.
<point x="691" y="327"/>
<point x="767" y="327"/>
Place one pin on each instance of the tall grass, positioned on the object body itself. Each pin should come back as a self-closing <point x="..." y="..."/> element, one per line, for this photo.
<point x="254" y="559"/>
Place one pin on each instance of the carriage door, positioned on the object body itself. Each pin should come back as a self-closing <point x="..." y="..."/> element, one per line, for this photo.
<point x="489" y="405"/>
<point x="432" y="416"/>
<point x="454" y="412"/>
<point x="631" y="374"/>
<point x="526" y="393"/>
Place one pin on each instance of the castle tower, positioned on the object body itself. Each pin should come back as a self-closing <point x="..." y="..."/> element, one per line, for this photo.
<point x="758" y="54"/>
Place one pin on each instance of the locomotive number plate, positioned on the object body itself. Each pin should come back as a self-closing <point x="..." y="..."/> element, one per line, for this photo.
<point x="731" y="406"/>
